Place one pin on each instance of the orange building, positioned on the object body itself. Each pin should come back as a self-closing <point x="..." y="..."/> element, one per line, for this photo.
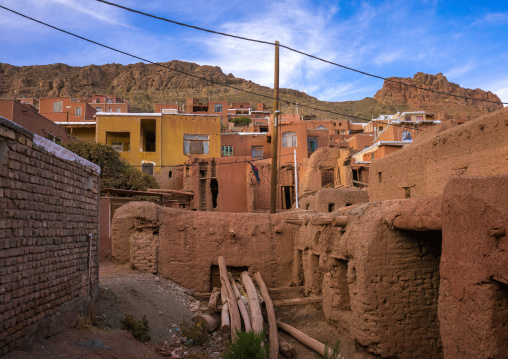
<point x="66" y="109"/>
<point x="109" y="103"/>
<point x="29" y="119"/>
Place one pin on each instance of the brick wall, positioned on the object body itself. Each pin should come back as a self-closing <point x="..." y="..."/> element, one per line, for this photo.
<point x="49" y="205"/>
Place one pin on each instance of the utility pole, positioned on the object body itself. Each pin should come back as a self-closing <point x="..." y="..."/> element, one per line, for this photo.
<point x="273" y="189"/>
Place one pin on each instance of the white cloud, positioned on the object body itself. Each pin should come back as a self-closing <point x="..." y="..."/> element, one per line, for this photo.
<point x="460" y="70"/>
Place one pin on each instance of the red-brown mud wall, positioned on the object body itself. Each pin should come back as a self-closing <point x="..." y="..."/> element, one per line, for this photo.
<point x="473" y="298"/>
<point x="421" y="170"/>
<point x="184" y="245"/>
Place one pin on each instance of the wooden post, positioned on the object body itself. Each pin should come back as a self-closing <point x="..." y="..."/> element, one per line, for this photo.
<point x="272" y="322"/>
<point x="241" y="305"/>
<point x="255" y="307"/>
<point x="273" y="188"/>
<point x="236" y="322"/>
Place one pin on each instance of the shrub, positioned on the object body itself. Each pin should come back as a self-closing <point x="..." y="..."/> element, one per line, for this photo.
<point x="242" y="121"/>
<point x="248" y="345"/>
<point x="195" y="333"/>
<point x="115" y="173"/>
<point x="138" y="328"/>
<point x="334" y="354"/>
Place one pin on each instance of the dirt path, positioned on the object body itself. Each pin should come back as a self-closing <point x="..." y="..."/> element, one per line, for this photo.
<point x="165" y="305"/>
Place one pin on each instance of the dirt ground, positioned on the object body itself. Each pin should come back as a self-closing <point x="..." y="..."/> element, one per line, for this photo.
<point x="165" y="305"/>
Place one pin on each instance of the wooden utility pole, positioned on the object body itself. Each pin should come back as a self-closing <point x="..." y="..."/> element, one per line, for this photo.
<point x="273" y="189"/>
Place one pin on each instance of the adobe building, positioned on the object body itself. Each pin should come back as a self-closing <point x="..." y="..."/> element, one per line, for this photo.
<point x="49" y="223"/>
<point x="254" y="144"/>
<point x="31" y="120"/>
<point x="420" y="277"/>
<point x="421" y="171"/>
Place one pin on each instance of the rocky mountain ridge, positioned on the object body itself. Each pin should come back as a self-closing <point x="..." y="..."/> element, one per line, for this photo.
<point x="145" y="84"/>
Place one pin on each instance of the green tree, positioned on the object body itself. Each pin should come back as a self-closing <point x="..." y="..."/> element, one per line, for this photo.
<point x="115" y="173"/>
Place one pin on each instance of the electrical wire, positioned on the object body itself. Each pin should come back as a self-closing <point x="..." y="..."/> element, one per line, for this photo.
<point x="185" y="73"/>
<point x="298" y="52"/>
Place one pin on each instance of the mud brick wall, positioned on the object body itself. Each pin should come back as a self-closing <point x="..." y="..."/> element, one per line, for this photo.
<point x="333" y="198"/>
<point x="379" y="285"/>
<point x="421" y="170"/>
<point x="473" y="298"/>
<point x="186" y="244"/>
<point x="49" y="202"/>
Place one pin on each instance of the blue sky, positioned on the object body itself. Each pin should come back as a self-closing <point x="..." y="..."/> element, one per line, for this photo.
<point x="465" y="40"/>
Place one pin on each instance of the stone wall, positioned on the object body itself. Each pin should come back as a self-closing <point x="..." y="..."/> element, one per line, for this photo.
<point x="48" y="262"/>
<point x="473" y="298"/>
<point x="421" y="170"/>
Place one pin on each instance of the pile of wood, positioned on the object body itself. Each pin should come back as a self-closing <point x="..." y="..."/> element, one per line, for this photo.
<point x="241" y="309"/>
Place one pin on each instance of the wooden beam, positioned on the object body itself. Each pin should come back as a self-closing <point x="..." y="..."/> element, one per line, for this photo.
<point x="303" y="338"/>
<point x="296" y="301"/>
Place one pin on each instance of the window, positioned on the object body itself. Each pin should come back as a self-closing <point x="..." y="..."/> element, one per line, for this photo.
<point x="98" y="109"/>
<point x="218" y="107"/>
<point x="78" y="111"/>
<point x="312" y="144"/>
<point x="147" y="135"/>
<point x="226" y="151"/>
<point x="289" y="139"/>
<point x="419" y="118"/>
<point x="342" y="132"/>
<point x="257" y="152"/>
<point x="110" y="109"/>
<point x="120" y="141"/>
<point x="57" y="106"/>
<point x="195" y="144"/>
<point x="147" y="168"/>
<point x="406" y="136"/>
<point x="118" y="109"/>
<point x="321" y="127"/>
<point x="380" y="128"/>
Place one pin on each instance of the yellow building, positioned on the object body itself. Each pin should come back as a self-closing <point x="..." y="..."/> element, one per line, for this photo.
<point x="151" y="141"/>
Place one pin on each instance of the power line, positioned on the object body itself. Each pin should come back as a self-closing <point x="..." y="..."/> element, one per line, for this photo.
<point x="217" y="164"/>
<point x="183" y="72"/>
<point x="297" y="51"/>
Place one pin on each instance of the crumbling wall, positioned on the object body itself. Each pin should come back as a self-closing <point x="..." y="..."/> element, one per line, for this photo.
<point x="331" y="199"/>
<point x="421" y="170"/>
<point x="378" y="283"/>
<point x="186" y="244"/>
<point x="473" y="299"/>
<point x="48" y="263"/>
<point x="322" y="160"/>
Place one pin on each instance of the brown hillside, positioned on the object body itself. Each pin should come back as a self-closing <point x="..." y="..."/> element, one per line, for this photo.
<point x="145" y="84"/>
<point x="443" y="106"/>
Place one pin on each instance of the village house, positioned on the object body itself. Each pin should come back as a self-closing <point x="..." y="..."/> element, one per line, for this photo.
<point x="25" y="116"/>
<point x="66" y="109"/>
<point x="158" y="141"/>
